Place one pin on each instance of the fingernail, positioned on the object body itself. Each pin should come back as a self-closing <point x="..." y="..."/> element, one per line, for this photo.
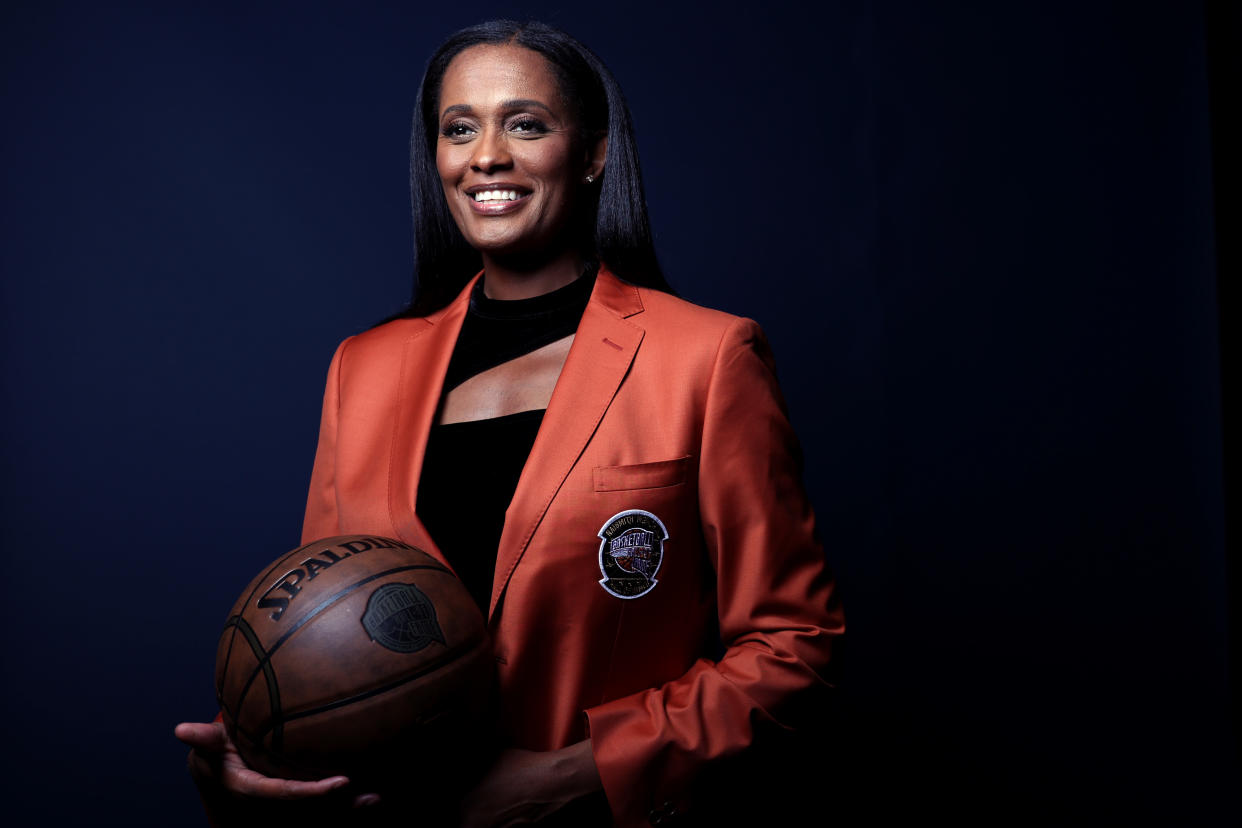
<point x="366" y="800"/>
<point x="338" y="782"/>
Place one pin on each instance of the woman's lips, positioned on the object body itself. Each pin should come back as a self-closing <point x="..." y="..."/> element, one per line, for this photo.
<point x="493" y="202"/>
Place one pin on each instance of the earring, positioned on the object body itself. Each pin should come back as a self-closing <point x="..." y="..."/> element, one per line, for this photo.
<point x="590" y="179"/>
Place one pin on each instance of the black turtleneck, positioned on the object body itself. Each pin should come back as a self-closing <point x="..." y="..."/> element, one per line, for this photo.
<point x="471" y="468"/>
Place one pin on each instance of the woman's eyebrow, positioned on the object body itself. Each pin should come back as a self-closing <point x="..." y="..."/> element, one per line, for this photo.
<point x="515" y="103"/>
<point x="526" y="103"/>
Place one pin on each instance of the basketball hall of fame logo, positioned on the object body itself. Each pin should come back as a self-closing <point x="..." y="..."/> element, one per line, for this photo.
<point x="402" y="618"/>
<point x="631" y="549"/>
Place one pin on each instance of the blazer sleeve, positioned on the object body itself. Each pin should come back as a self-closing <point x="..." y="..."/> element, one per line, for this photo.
<point x="322" y="517"/>
<point x="778" y="613"/>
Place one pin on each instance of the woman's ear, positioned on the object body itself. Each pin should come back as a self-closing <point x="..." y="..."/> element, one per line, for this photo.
<point x="597" y="154"/>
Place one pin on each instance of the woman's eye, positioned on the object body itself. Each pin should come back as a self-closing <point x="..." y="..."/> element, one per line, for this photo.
<point x="528" y="125"/>
<point x="456" y="130"/>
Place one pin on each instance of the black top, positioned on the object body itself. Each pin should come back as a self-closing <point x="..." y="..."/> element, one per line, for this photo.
<point x="471" y="469"/>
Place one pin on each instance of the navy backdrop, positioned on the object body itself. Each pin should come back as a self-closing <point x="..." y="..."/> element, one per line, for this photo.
<point x="979" y="236"/>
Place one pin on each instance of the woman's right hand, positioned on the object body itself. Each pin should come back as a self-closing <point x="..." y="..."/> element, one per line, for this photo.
<point x="225" y="781"/>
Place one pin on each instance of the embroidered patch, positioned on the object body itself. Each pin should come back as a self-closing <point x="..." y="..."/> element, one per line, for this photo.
<point x="631" y="550"/>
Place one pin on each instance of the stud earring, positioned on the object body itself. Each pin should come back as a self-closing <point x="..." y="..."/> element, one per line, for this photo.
<point x="590" y="179"/>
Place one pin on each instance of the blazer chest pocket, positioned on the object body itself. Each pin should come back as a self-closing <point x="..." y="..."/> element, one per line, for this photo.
<point x="657" y="475"/>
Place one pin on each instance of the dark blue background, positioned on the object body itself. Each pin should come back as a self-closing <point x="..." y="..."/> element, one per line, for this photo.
<point x="979" y="236"/>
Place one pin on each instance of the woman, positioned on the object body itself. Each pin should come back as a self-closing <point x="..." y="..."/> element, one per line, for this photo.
<point x="657" y="598"/>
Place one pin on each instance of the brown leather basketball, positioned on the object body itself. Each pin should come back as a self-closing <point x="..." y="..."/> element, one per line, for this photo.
<point x="354" y="655"/>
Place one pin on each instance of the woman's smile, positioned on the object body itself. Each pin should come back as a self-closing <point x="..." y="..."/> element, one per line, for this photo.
<point x="497" y="199"/>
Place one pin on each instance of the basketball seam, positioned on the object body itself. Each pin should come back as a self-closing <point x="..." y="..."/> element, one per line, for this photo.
<point x="269" y="673"/>
<point x="303" y="714"/>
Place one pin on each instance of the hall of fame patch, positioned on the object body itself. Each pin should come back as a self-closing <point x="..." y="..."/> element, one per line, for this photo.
<point x="631" y="550"/>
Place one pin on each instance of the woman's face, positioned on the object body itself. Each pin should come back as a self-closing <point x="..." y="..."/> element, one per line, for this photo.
<point x="507" y="152"/>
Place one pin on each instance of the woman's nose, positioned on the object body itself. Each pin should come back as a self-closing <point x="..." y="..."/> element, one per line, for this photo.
<point x="490" y="152"/>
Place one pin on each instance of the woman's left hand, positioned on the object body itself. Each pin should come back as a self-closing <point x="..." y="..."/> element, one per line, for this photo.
<point x="525" y="785"/>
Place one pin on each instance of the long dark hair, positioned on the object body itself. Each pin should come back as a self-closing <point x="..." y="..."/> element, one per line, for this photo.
<point x="443" y="261"/>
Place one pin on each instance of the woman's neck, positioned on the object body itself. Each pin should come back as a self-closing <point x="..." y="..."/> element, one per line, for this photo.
<point x="513" y="278"/>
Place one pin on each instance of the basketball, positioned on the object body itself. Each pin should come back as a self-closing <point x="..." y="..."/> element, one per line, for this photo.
<point x="354" y="655"/>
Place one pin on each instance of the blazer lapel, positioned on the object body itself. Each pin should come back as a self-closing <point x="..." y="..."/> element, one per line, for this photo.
<point x="424" y="362"/>
<point x="603" y="348"/>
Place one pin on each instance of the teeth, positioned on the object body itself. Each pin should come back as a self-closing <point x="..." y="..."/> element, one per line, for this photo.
<point x="496" y="195"/>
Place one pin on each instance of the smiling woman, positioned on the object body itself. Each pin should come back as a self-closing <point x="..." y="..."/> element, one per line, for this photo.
<point x="608" y="468"/>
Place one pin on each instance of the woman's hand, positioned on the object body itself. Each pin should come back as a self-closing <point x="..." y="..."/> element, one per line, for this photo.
<point x="525" y="785"/>
<point x="221" y="775"/>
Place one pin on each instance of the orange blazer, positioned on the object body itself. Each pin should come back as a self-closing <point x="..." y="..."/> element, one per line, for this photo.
<point x="661" y="502"/>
